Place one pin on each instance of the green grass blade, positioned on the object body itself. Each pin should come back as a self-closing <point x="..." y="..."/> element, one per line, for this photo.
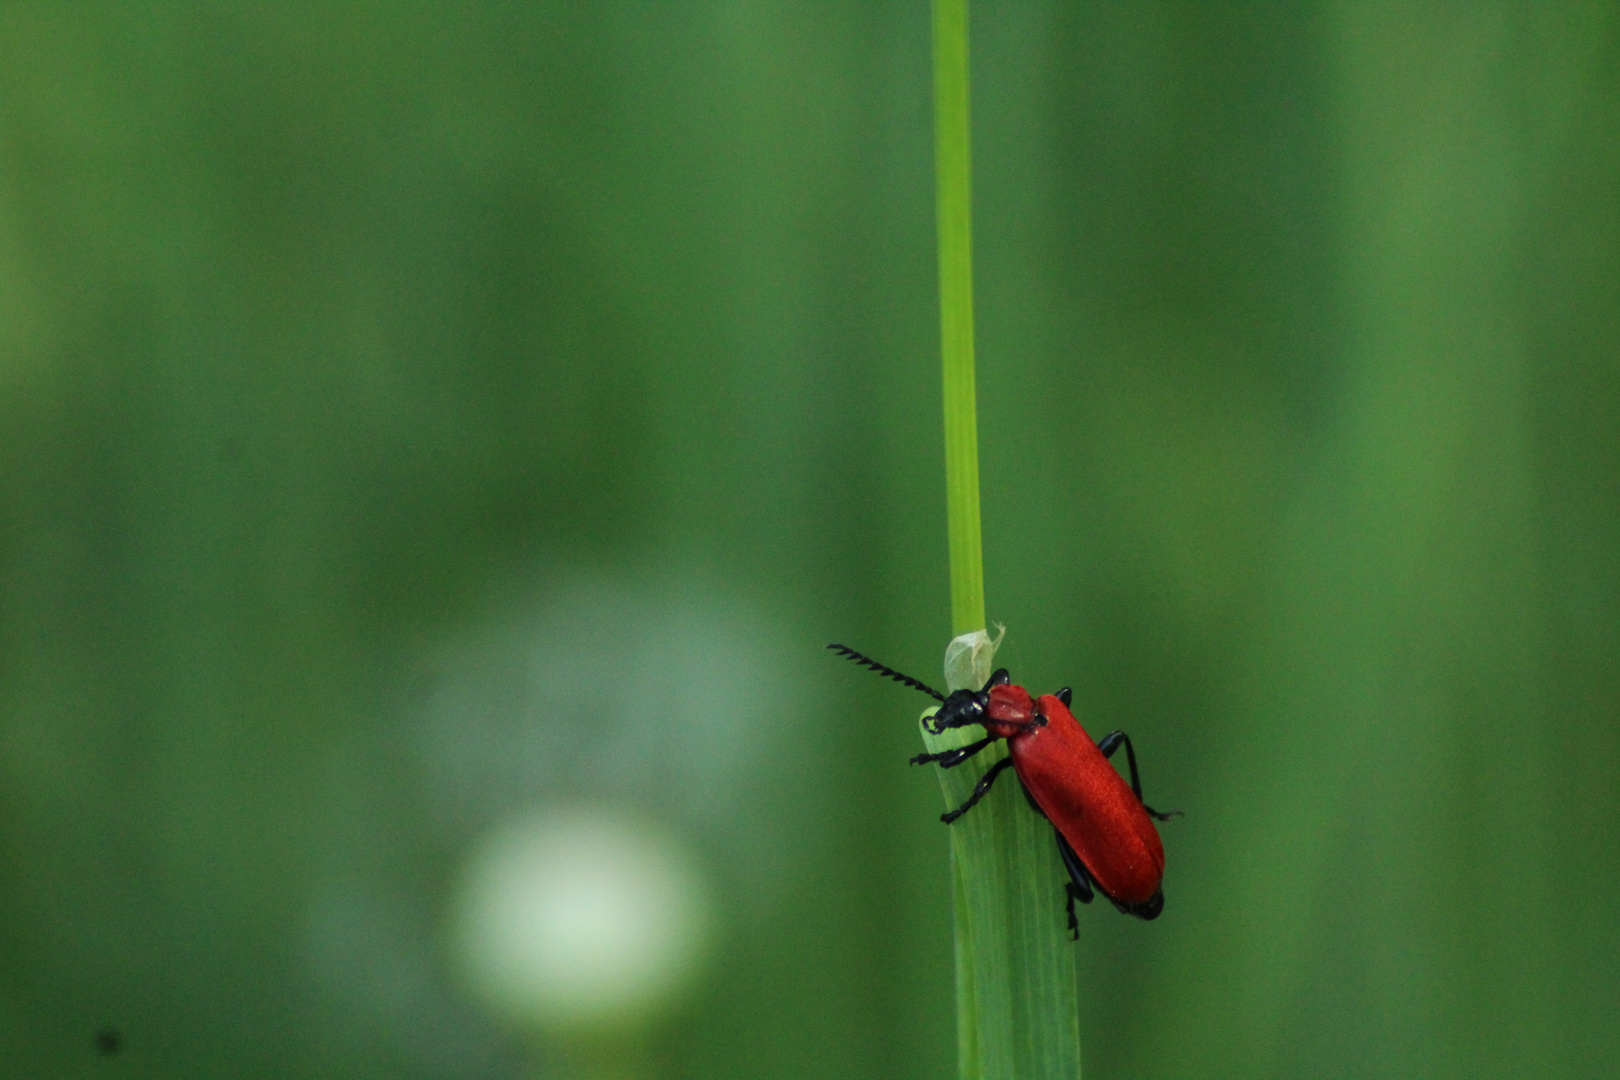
<point x="1016" y="1008"/>
<point x="954" y="197"/>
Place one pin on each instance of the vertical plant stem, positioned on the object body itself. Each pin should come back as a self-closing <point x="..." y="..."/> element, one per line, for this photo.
<point x="954" y="196"/>
<point x="1015" y="994"/>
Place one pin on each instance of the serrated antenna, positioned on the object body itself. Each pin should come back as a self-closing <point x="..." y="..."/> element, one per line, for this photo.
<point x="883" y="669"/>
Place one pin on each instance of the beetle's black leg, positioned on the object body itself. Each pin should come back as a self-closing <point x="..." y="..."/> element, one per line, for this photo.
<point x="1033" y="805"/>
<point x="1066" y="696"/>
<point x="1108" y="744"/>
<point x="1078" y="887"/>
<point x="950" y="759"/>
<point x="979" y="790"/>
<point x="1079" y="876"/>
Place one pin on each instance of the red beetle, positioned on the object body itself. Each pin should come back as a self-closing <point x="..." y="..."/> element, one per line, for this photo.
<point x="1105" y="832"/>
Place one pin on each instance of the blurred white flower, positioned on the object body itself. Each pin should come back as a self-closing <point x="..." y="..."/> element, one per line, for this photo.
<point x="580" y="917"/>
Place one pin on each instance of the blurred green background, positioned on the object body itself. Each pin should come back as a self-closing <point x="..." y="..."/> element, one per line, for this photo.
<point x="410" y="413"/>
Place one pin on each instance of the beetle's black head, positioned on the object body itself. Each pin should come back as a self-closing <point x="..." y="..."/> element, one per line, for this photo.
<point x="962" y="708"/>
<point x="966" y="707"/>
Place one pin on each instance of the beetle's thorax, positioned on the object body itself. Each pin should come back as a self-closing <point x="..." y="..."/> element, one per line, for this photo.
<point x="1009" y="710"/>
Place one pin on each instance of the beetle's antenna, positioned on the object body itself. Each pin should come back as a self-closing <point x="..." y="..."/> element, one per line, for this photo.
<point x="867" y="661"/>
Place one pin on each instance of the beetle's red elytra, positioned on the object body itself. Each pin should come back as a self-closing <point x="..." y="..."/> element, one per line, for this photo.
<point x="1105" y="832"/>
